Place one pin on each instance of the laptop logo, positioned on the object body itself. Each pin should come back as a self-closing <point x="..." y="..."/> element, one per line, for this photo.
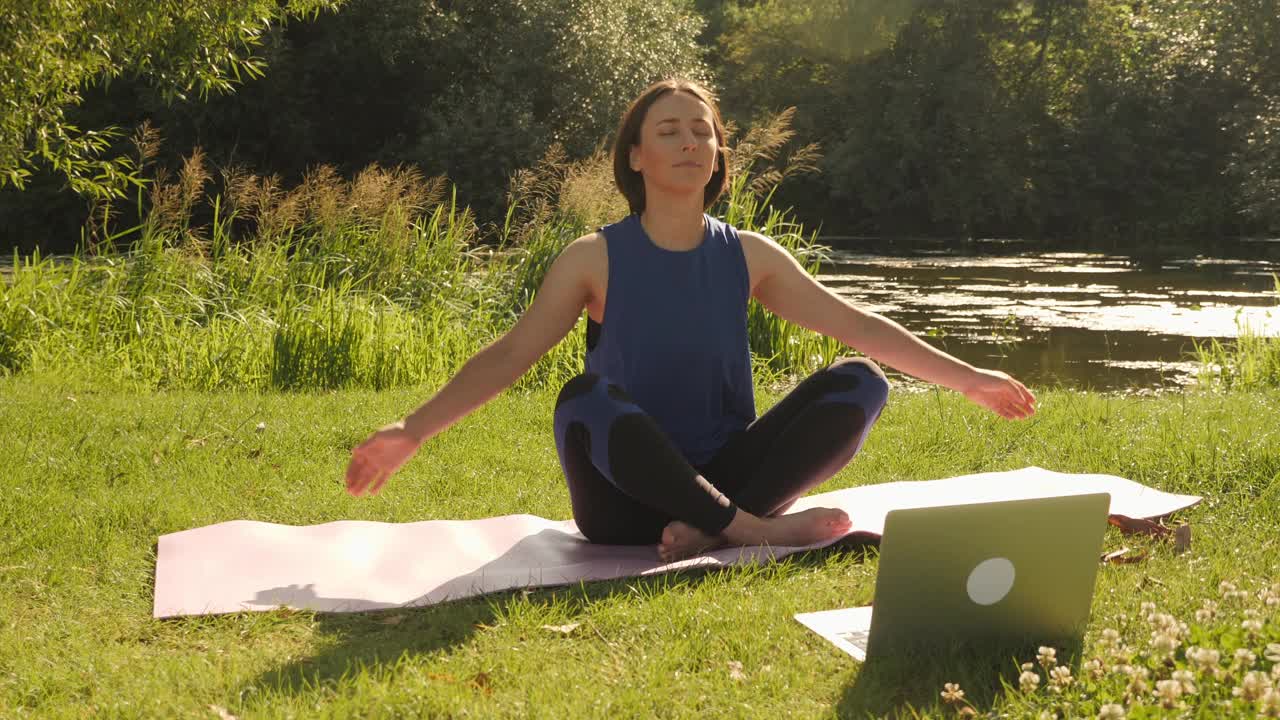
<point x="990" y="581"/>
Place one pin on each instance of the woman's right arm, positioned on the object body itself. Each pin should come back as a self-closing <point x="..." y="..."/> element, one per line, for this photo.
<point x="555" y="309"/>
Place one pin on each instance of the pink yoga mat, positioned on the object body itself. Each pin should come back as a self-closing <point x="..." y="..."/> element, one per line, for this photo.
<point x="350" y="566"/>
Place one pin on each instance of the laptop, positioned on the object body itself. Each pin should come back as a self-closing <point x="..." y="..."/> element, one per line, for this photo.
<point x="1009" y="570"/>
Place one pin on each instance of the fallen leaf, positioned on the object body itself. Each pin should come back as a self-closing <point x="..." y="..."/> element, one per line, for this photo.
<point x="1130" y="525"/>
<point x="71" y="398"/>
<point x="1272" y="652"/>
<point x="222" y="712"/>
<point x="1107" y="557"/>
<point x="1181" y="539"/>
<point x="562" y="629"/>
<point x="1148" y="579"/>
<point x="482" y="682"/>
<point x="735" y="670"/>
<point x="1122" y="557"/>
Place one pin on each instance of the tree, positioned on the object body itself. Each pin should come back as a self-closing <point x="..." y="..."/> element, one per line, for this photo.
<point x="51" y="50"/>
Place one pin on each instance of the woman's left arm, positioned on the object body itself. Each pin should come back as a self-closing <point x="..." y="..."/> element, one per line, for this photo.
<point x="786" y="289"/>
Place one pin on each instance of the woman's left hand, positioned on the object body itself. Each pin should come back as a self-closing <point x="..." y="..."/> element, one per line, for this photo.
<point x="1001" y="394"/>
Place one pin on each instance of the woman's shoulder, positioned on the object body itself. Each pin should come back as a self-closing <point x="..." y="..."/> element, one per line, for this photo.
<point x="729" y="229"/>
<point x="590" y="255"/>
<point x="748" y="239"/>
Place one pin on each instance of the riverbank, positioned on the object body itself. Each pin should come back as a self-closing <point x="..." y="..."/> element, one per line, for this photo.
<point x="97" y="475"/>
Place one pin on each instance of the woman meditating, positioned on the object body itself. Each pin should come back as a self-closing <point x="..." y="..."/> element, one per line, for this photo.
<point x="658" y="437"/>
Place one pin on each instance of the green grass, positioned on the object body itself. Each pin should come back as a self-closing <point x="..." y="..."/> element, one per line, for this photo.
<point x="1251" y="360"/>
<point x="379" y="282"/>
<point x="94" y="473"/>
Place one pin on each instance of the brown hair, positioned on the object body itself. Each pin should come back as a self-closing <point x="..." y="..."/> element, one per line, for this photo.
<point x="630" y="182"/>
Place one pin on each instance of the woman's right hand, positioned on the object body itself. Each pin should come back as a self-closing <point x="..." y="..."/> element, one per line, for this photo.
<point x="375" y="459"/>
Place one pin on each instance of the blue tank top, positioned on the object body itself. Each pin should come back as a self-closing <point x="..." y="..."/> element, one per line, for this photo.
<point x="674" y="335"/>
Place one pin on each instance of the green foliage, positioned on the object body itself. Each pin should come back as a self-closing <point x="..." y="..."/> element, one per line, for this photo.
<point x="53" y="50"/>
<point x="381" y="281"/>
<point x="560" y="72"/>
<point x="1251" y="361"/>
<point x="474" y="91"/>
<point x="1062" y="118"/>
<point x="1104" y="120"/>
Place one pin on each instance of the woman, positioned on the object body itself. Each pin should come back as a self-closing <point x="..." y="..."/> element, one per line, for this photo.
<point x="658" y="438"/>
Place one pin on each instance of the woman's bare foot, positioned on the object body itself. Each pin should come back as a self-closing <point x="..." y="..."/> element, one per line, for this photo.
<point x="681" y="540"/>
<point x="802" y="528"/>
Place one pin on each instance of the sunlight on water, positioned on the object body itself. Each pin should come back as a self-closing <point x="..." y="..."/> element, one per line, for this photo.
<point x="1072" y="318"/>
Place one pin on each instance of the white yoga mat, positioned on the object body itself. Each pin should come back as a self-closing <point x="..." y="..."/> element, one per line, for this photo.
<point x="348" y="566"/>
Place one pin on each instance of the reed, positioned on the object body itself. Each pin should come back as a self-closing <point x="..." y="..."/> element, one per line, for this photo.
<point x="1252" y="360"/>
<point x="233" y="281"/>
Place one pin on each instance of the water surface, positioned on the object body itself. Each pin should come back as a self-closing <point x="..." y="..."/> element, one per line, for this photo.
<point x="1077" y="319"/>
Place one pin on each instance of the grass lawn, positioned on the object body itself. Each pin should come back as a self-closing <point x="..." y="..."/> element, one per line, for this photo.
<point x="92" y="476"/>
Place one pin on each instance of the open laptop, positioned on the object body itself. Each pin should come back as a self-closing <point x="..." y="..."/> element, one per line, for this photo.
<point x="1014" y="569"/>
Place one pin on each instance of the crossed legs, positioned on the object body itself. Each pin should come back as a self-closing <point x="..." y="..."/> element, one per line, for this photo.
<point x="629" y="484"/>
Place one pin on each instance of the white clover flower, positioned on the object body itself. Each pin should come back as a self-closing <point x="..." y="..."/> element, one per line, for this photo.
<point x="1243" y="658"/>
<point x="1272" y="652"/>
<point x="1110" y="645"/>
<point x="1186" y="680"/>
<point x="1138" y="686"/>
<point x="1028" y="681"/>
<point x="1163" y="643"/>
<point x="1205" y="659"/>
<point x="1047" y="715"/>
<point x="1168" y="692"/>
<point x="1094" y="668"/>
<point x="1060" y="676"/>
<point x="1027" y="667"/>
<point x="1269" y="704"/>
<point x="1111" y="711"/>
<point x="1225" y="587"/>
<point x="1146" y="610"/>
<point x="1048" y="657"/>
<point x="1207" y="612"/>
<point x="952" y="694"/>
<point x="1270" y="596"/>
<point x="1275" y="672"/>
<point x="1253" y="626"/>
<point x="1252" y="686"/>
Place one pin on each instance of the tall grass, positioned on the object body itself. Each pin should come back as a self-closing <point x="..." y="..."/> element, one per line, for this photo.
<point x="379" y="281"/>
<point x="1251" y="361"/>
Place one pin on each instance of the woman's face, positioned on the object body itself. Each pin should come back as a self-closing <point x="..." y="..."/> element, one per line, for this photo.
<point x="677" y="150"/>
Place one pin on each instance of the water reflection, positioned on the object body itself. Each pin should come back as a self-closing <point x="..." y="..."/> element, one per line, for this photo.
<point x="1089" y="320"/>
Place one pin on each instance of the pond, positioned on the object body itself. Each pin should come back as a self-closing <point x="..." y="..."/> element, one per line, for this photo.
<point x="1088" y="320"/>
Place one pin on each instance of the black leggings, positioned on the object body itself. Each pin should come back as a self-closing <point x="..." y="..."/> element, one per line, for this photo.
<point x="627" y="480"/>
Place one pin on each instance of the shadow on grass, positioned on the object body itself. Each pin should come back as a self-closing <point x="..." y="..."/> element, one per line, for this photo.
<point x="375" y="641"/>
<point x="909" y="680"/>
